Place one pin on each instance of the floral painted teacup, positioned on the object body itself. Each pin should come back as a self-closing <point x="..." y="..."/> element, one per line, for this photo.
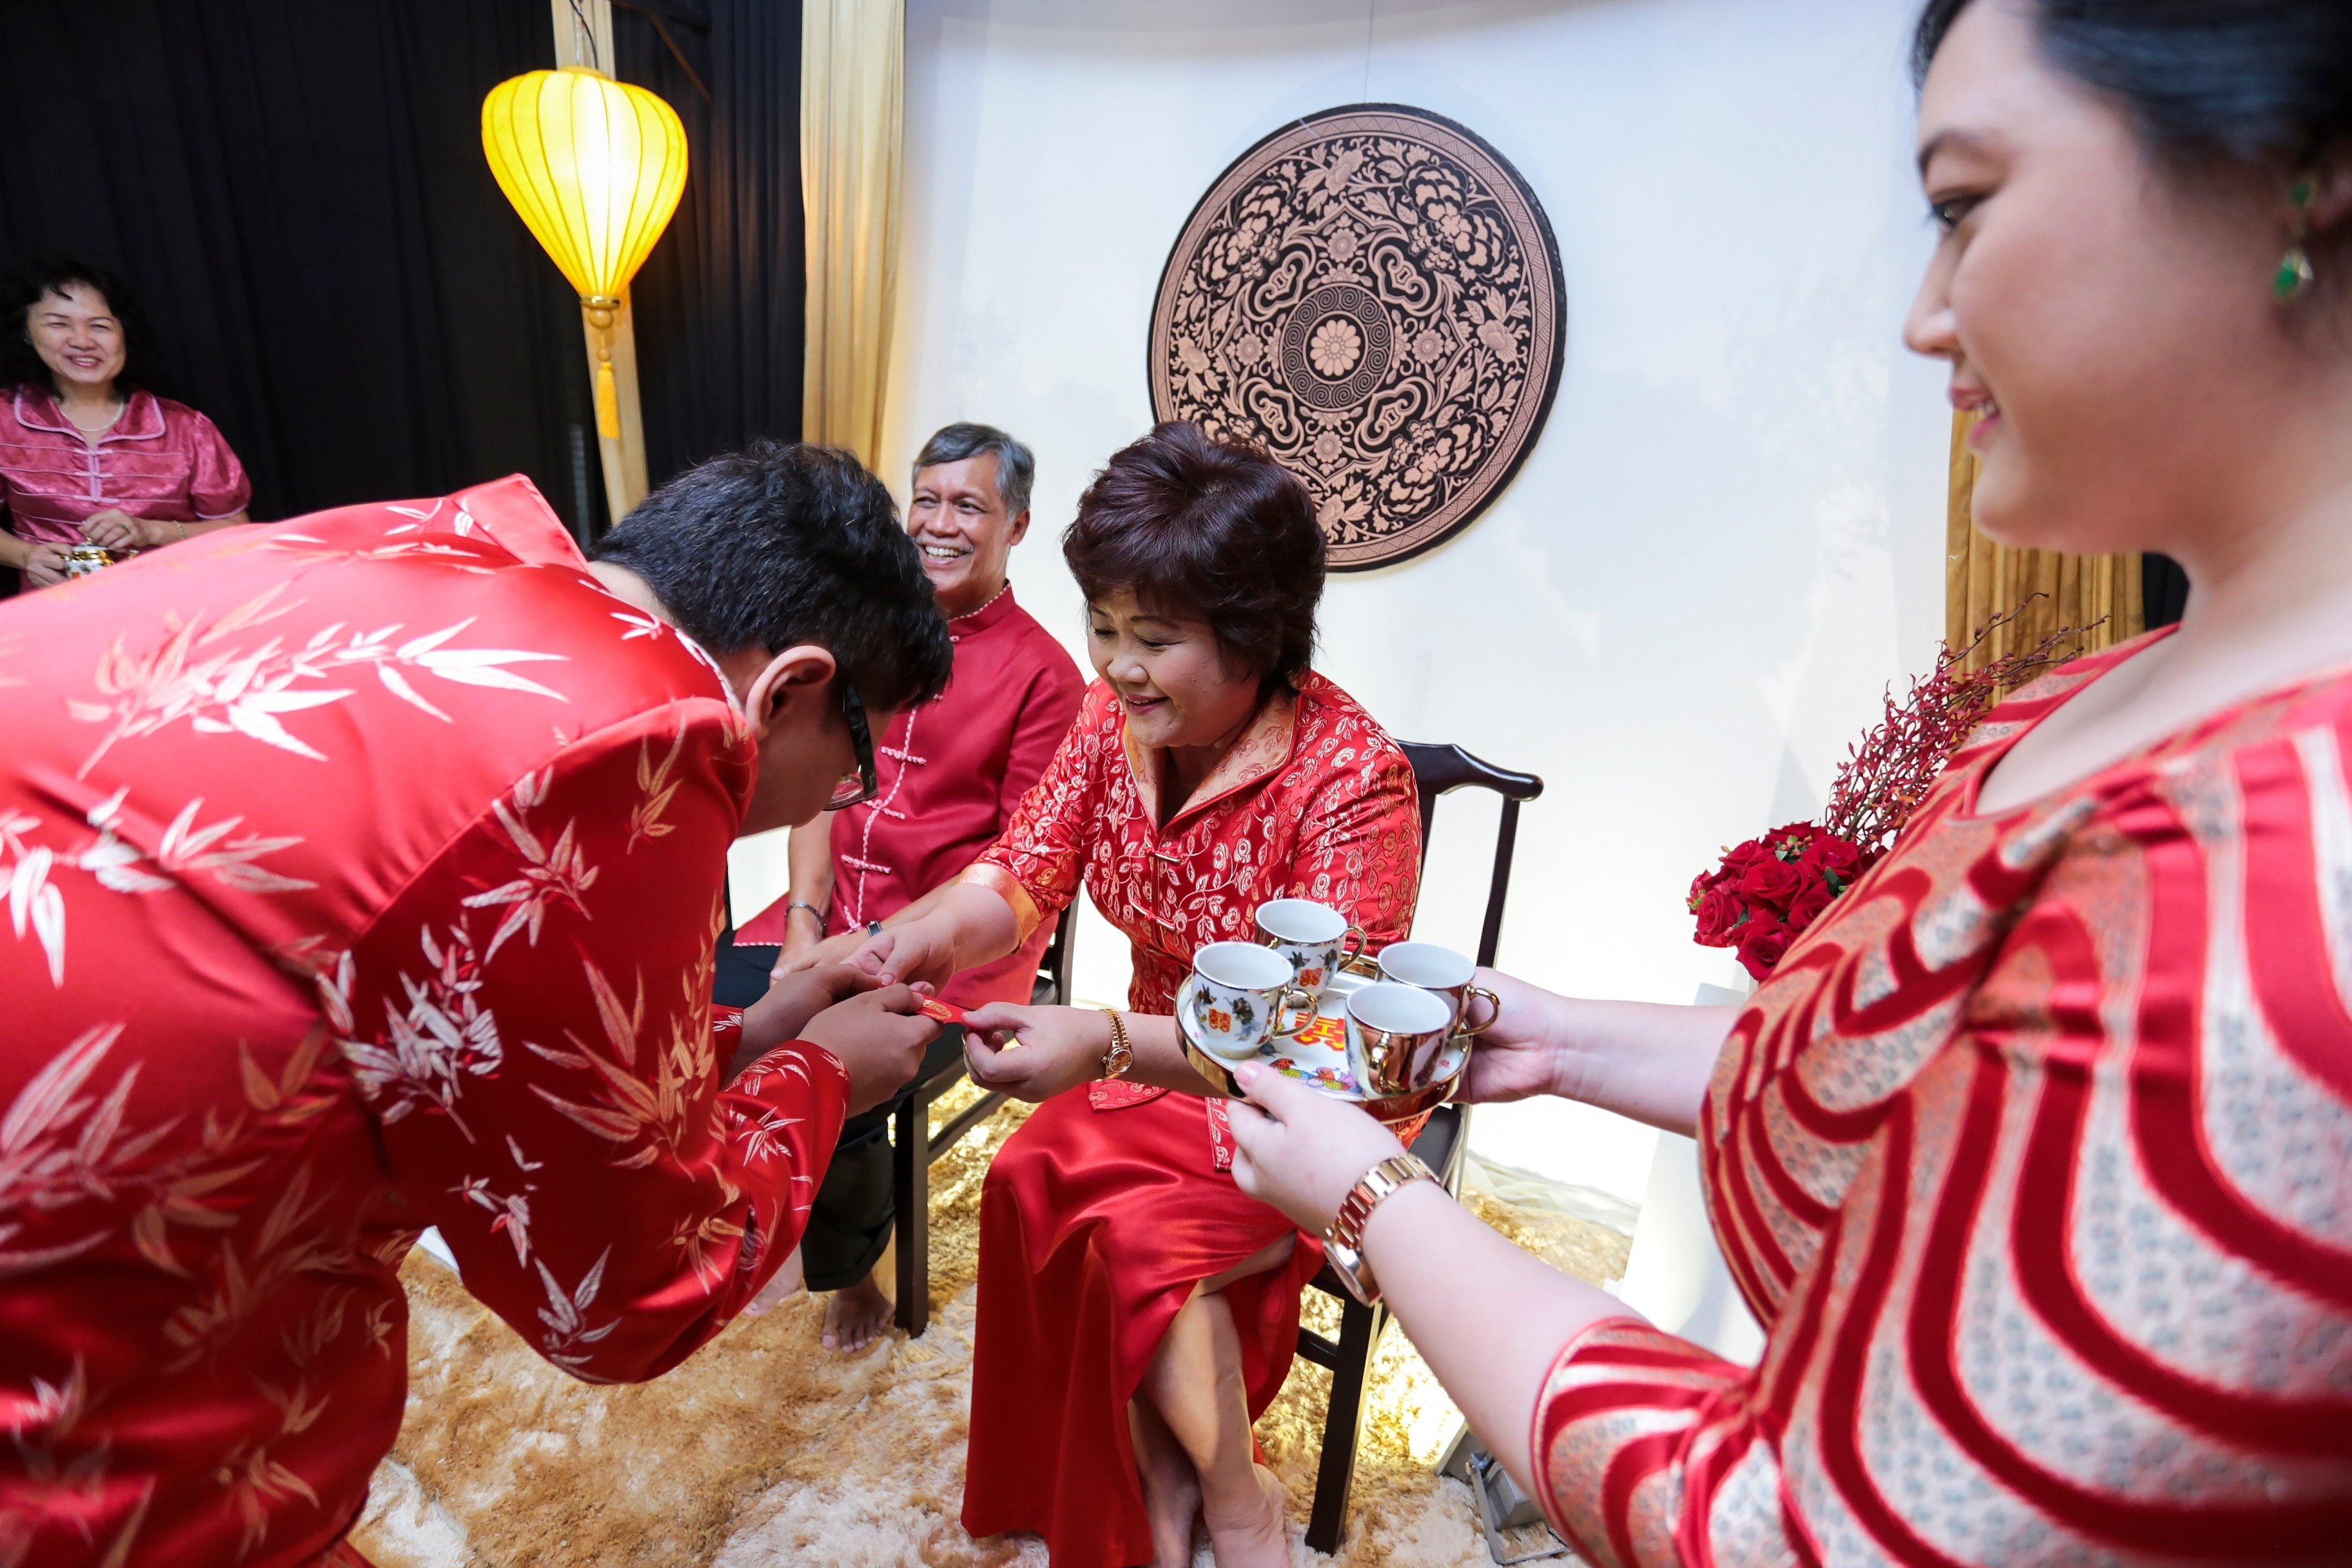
<point x="1240" y="997"/>
<point x="1316" y="937"/>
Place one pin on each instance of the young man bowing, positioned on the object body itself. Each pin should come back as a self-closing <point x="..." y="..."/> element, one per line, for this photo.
<point x="364" y="872"/>
<point x="952" y="772"/>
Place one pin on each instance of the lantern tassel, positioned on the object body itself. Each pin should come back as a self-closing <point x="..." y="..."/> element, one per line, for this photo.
<point x="608" y="401"/>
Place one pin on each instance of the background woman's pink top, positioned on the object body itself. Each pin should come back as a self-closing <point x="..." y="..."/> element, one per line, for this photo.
<point x="162" y="459"/>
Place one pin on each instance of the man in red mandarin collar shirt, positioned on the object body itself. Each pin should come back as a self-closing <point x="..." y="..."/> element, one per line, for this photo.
<point x="369" y="865"/>
<point x="950" y="772"/>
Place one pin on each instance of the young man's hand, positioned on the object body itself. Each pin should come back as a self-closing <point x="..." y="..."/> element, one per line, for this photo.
<point x="878" y="1037"/>
<point x="791" y="1003"/>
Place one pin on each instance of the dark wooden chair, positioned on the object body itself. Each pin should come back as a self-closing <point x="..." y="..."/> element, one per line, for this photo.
<point x="913" y="1146"/>
<point x="1443" y="1144"/>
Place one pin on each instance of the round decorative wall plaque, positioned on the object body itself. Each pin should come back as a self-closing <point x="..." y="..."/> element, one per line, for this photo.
<point x="1374" y="296"/>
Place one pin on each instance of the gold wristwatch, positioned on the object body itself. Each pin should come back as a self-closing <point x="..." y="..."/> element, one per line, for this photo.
<point x="1343" y="1239"/>
<point x="1121" y="1056"/>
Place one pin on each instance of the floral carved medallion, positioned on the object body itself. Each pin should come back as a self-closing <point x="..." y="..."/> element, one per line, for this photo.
<point x="1373" y="295"/>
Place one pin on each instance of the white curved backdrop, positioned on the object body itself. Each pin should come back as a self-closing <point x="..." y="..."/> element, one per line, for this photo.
<point x="1730" y="535"/>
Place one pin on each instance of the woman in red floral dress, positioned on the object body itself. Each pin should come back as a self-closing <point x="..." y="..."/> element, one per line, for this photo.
<point x="2034" y="1152"/>
<point x="1136" y="1310"/>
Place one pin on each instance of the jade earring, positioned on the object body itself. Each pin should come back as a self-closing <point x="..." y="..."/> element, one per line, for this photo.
<point x="2294" y="276"/>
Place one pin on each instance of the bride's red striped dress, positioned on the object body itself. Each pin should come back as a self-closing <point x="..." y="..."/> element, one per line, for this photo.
<point x="2034" y="1156"/>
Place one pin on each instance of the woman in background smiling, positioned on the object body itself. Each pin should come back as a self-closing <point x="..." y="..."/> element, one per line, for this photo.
<point x="86" y="456"/>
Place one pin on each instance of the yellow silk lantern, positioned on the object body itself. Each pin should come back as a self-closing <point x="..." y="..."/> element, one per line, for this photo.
<point x="595" y="167"/>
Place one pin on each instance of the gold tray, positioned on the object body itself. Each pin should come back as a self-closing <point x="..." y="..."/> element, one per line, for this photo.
<point x="1298" y="1058"/>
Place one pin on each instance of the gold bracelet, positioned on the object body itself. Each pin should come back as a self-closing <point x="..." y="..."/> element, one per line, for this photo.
<point x="1343" y="1238"/>
<point x="1121" y="1056"/>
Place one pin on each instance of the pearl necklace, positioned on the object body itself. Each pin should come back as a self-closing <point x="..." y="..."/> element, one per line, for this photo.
<point x="91" y="431"/>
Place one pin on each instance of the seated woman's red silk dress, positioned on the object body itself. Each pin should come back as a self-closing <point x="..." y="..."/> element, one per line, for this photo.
<point x="1108" y="1206"/>
<point x="2035" y="1155"/>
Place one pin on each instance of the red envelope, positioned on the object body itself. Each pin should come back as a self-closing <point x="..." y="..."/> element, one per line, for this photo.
<point x="943" y="1011"/>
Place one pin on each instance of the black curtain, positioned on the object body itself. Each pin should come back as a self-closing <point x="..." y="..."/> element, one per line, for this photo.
<point x="296" y="192"/>
<point x="717" y="305"/>
<point x="2163" y="589"/>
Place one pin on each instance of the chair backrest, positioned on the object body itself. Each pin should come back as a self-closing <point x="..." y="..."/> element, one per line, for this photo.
<point x="1053" y="985"/>
<point x="1443" y="769"/>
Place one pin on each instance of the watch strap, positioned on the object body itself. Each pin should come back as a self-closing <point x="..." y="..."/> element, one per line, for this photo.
<point x="1343" y="1239"/>
<point x="1121" y="1054"/>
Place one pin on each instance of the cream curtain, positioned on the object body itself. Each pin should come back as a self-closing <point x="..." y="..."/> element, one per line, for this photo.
<point x="1983" y="579"/>
<point x="852" y="134"/>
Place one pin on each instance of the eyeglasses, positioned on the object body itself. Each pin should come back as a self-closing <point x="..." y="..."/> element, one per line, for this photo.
<point x="857" y="787"/>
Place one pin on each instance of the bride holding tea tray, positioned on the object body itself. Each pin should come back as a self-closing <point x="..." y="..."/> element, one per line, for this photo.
<point x="1137" y="1310"/>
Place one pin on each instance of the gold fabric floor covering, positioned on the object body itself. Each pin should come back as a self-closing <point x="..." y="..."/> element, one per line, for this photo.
<point x="766" y="1450"/>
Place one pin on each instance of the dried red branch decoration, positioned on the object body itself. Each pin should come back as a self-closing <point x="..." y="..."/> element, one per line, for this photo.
<point x="1768" y="889"/>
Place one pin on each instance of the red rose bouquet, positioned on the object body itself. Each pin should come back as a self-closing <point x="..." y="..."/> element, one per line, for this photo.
<point x="1766" y="890"/>
<point x="1770" y="888"/>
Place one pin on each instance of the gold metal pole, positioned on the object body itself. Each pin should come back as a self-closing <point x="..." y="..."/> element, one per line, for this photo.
<point x="583" y="37"/>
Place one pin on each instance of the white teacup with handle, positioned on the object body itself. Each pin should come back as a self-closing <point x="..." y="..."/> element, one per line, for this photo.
<point x="1240" y="996"/>
<point x="1316" y="937"/>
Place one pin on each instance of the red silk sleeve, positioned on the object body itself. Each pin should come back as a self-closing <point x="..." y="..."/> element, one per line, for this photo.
<point x="1039" y="859"/>
<point x="218" y="485"/>
<point x="1360" y="847"/>
<point x="531" y="1023"/>
<point x="1055" y="695"/>
<point x="1615" y="1423"/>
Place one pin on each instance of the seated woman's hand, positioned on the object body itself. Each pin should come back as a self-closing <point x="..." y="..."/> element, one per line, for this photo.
<point x="1301" y="1150"/>
<point x="45" y="566"/>
<point x="921" y="952"/>
<point x="1515" y="1057"/>
<point x="801" y="953"/>
<point x="1034" y="1053"/>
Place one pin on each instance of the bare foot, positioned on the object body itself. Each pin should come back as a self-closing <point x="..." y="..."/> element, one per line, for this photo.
<point x="1252" y="1533"/>
<point x="856" y="1318"/>
<point x="1171" y="1488"/>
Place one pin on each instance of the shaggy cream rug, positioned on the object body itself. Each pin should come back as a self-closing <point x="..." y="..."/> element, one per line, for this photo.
<point x="764" y="1449"/>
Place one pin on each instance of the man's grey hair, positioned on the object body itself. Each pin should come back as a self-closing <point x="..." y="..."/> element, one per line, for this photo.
<point x="1016" y="468"/>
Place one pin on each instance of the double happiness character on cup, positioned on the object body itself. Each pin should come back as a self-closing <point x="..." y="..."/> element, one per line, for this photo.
<point x="1242" y="994"/>
<point x="1316" y="937"/>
